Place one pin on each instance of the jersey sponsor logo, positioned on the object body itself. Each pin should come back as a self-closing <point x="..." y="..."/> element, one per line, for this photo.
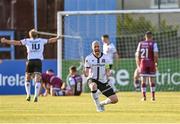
<point x="98" y="65"/>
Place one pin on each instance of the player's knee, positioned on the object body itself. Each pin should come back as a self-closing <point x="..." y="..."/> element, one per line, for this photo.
<point x="92" y="86"/>
<point x="28" y="77"/>
<point x="115" y="100"/>
<point x="152" y="84"/>
<point x="143" y="84"/>
<point x="37" y="77"/>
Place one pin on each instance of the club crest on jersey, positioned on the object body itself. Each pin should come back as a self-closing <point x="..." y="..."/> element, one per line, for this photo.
<point x="103" y="61"/>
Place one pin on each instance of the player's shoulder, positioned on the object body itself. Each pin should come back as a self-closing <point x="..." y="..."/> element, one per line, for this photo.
<point x="104" y="55"/>
<point x="90" y="56"/>
<point x="154" y="41"/>
<point x="78" y="76"/>
<point x="70" y="78"/>
<point x="112" y="44"/>
<point x="142" y="41"/>
<point x="43" y="74"/>
<point x="25" y="39"/>
<point x="41" y="39"/>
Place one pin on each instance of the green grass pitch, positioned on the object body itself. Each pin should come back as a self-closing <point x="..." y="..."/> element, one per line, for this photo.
<point x="129" y="109"/>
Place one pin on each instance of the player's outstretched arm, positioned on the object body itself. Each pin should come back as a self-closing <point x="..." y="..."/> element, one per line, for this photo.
<point x="11" y="42"/>
<point x="54" y="39"/>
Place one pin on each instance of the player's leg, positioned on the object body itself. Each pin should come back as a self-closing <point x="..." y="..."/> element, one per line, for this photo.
<point x="37" y="69"/>
<point x="152" y="87"/>
<point x="109" y="93"/>
<point x="144" y="69"/>
<point x="28" y="86"/>
<point x="110" y="100"/>
<point x="143" y="87"/>
<point x="94" y="94"/>
<point x="137" y="82"/>
<point x="28" y="80"/>
<point x="54" y="91"/>
<point x="152" y="80"/>
<point x="37" y="79"/>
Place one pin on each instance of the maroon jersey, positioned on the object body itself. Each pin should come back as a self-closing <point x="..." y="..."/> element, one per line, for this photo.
<point x="146" y="51"/>
<point x="56" y="82"/>
<point x="45" y="78"/>
<point x="52" y="80"/>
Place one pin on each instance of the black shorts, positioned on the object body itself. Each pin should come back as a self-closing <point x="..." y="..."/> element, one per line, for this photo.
<point x="33" y="65"/>
<point x="110" y="66"/>
<point x="77" y="93"/>
<point x="105" y="88"/>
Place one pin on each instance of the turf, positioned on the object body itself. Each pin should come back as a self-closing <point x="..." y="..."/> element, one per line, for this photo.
<point x="129" y="109"/>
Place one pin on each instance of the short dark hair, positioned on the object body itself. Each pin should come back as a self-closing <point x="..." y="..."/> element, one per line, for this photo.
<point x="148" y="33"/>
<point x="50" y="70"/>
<point x="73" y="68"/>
<point x="105" y="36"/>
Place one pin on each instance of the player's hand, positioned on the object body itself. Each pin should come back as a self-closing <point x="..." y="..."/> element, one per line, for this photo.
<point x="138" y="68"/>
<point x="110" y="73"/>
<point x="156" y="68"/>
<point x="3" y="40"/>
<point x="59" y="37"/>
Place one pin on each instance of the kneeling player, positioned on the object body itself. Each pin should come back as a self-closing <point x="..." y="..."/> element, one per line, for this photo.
<point x="97" y="70"/>
<point x="74" y="84"/>
<point x="52" y="84"/>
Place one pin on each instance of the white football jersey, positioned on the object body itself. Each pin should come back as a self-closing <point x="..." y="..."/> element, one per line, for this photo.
<point x="109" y="50"/>
<point x="35" y="47"/>
<point x="97" y="67"/>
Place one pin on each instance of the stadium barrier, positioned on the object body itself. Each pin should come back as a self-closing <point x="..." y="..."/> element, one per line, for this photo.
<point x="168" y="79"/>
<point x="12" y="75"/>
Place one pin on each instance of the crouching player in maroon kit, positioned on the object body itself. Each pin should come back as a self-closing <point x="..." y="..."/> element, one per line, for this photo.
<point x="52" y="84"/>
<point x="74" y="84"/>
<point x="147" y="59"/>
